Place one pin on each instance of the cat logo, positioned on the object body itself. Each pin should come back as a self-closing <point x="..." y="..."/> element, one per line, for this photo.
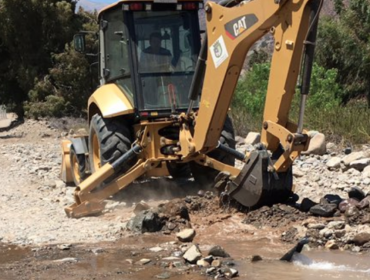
<point x="239" y="25"/>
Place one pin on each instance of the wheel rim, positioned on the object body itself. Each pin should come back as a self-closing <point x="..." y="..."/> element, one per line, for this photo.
<point x="96" y="152"/>
<point x="75" y="169"/>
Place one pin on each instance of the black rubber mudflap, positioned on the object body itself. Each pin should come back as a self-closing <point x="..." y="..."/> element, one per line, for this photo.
<point x="256" y="186"/>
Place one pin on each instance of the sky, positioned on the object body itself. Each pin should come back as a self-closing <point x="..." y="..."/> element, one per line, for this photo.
<point x="104" y="1"/>
<point x="95" y="4"/>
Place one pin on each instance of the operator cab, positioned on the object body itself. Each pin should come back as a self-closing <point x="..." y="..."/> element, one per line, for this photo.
<point x="150" y="49"/>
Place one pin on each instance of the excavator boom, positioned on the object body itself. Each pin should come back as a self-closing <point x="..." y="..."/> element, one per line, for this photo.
<point x="266" y="176"/>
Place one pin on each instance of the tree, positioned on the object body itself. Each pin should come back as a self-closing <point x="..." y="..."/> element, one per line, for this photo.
<point x="29" y="32"/>
<point x="343" y="44"/>
<point x="69" y="83"/>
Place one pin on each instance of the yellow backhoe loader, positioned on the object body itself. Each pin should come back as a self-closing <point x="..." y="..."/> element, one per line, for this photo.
<point x="161" y="107"/>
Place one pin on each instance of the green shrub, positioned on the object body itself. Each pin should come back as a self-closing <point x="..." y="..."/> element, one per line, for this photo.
<point x="53" y="106"/>
<point x="324" y="111"/>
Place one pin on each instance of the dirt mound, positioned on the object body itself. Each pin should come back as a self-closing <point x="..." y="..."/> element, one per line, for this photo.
<point x="279" y="215"/>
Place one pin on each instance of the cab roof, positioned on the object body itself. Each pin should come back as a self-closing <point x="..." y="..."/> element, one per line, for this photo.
<point x="144" y="1"/>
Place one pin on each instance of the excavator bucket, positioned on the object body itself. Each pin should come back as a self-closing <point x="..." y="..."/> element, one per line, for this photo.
<point x="257" y="184"/>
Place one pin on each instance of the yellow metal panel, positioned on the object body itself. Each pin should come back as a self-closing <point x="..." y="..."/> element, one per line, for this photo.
<point x="111" y="101"/>
<point x="231" y="32"/>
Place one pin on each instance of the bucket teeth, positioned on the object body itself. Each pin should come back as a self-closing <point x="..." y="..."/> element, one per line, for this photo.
<point x="86" y="208"/>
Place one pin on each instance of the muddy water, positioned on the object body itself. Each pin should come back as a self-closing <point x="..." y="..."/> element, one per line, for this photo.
<point x="310" y="265"/>
<point x="118" y="261"/>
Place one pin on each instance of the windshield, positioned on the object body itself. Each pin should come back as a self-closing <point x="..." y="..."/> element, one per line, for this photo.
<point x="167" y="46"/>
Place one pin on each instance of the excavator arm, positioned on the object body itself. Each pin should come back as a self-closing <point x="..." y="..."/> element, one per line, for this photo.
<point x="266" y="176"/>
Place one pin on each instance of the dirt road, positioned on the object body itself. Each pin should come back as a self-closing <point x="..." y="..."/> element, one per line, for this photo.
<point x="40" y="242"/>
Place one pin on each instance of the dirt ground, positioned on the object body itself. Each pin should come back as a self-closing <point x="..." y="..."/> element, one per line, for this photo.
<point x="40" y="242"/>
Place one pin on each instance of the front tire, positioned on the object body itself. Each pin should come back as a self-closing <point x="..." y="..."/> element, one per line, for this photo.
<point x="108" y="140"/>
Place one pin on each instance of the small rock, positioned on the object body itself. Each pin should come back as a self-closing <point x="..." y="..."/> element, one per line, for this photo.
<point x="351" y="211"/>
<point x="336" y="225"/>
<point x="231" y="273"/>
<point x="144" y="261"/>
<point x="356" y="193"/>
<point x="326" y="210"/>
<point x="141" y="206"/>
<point x="352" y="157"/>
<point x="129" y="261"/>
<point x="177" y="253"/>
<point x="210" y="270"/>
<point x="317" y="145"/>
<point x="333" y="163"/>
<point x="366" y="172"/>
<point x="209" y="259"/>
<point x="66" y="260"/>
<point x="186" y="235"/>
<point x="145" y="221"/>
<point x="164" y="275"/>
<point x="252" y="138"/>
<point x="326" y="232"/>
<point x="366" y="219"/>
<point x="361" y="238"/>
<point x="156" y="249"/>
<point x="332" y="245"/>
<point x="201" y="193"/>
<point x="330" y="146"/>
<point x="193" y="254"/>
<point x="256" y="258"/>
<point x="333" y="199"/>
<point x="315" y="226"/>
<point x="298" y="173"/>
<point x="340" y="233"/>
<point x="216" y="263"/>
<point x="218" y="251"/>
<point x="364" y="203"/>
<point x="347" y="151"/>
<point x="306" y="204"/>
<point x="64" y="247"/>
<point x="203" y="263"/>
<point x="360" y="164"/>
<point x="356" y="249"/>
<point x="345" y="204"/>
<point x="97" y="251"/>
<point x="59" y="184"/>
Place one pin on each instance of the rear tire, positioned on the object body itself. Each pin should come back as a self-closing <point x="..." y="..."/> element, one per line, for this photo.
<point x="205" y="175"/>
<point x="108" y="140"/>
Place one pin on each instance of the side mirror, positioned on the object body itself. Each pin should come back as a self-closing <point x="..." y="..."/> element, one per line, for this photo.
<point x="79" y="42"/>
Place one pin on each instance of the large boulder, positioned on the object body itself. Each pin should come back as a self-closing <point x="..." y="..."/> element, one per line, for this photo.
<point x="193" y="254"/>
<point x="360" y="164"/>
<point x="333" y="163"/>
<point x="252" y="138"/>
<point x="317" y="144"/>
<point x="145" y="221"/>
<point x="366" y="172"/>
<point x="353" y="157"/>
<point x="186" y="235"/>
